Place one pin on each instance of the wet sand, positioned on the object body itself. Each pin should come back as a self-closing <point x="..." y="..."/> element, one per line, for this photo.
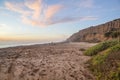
<point x="62" y="61"/>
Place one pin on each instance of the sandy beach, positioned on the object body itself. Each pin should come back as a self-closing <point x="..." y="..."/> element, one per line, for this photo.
<point x="63" y="61"/>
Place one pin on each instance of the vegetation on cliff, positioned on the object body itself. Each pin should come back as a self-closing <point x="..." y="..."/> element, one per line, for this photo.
<point x="105" y="62"/>
<point x="113" y="33"/>
<point x="100" y="47"/>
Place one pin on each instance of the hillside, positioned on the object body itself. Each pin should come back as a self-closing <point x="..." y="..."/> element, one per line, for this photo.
<point x="105" y="61"/>
<point x="95" y="33"/>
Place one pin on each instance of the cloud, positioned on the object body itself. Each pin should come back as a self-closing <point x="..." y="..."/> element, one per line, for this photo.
<point x="16" y="8"/>
<point x="36" y="6"/>
<point x="2" y="25"/>
<point x="39" y="13"/>
<point x="73" y="19"/>
<point x="13" y="7"/>
<point x="86" y="3"/>
<point x="34" y="22"/>
<point x="57" y="21"/>
<point x="51" y="10"/>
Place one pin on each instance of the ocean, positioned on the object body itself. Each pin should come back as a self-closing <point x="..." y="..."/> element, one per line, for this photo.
<point x="5" y="44"/>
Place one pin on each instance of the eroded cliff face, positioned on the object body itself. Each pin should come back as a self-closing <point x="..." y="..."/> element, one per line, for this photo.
<point x="95" y="33"/>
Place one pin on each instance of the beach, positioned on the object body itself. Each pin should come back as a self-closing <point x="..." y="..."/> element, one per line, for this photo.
<point x="54" y="61"/>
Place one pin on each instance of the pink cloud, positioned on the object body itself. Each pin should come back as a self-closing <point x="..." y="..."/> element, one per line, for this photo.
<point x="16" y="8"/>
<point x="51" y="11"/>
<point x="13" y="7"/>
<point x="38" y="13"/>
<point x="36" y="6"/>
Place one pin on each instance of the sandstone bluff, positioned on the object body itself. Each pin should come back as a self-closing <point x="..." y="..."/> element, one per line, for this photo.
<point x="95" y="33"/>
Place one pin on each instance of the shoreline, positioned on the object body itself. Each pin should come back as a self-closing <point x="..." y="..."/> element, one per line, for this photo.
<point x="34" y="44"/>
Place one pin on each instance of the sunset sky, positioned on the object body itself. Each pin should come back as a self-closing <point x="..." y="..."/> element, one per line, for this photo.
<point x="52" y="20"/>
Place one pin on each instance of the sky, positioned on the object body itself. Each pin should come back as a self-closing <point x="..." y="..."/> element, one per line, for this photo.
<point x="52" y="20"/>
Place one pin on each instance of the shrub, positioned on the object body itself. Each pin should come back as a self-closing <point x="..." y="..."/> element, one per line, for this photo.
<point x="103" y="55"/>
<point x="108" y="34"/>
<point x="81" y="49"/>
<point x="115" y="34"/>
<point x="112" y="33"/>
<point x="100" y="47"/>
<point x="106" y="65"/>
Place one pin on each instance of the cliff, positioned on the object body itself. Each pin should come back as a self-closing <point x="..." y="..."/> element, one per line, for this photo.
<point x="95" y="33"/>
